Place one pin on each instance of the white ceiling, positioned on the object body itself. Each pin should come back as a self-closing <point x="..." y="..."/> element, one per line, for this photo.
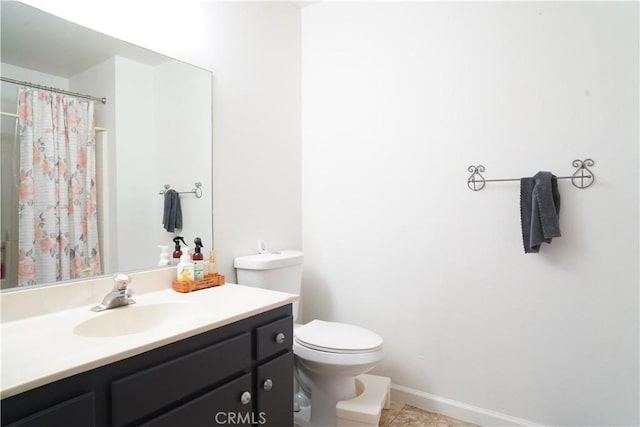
<point x="304" y="3"/>
<point x="34" y="39"/>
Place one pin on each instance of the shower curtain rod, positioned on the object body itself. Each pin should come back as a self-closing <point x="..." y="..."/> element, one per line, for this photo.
<point x="53" y="89"/>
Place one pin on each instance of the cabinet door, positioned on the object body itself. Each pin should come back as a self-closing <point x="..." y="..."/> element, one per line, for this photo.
<point x="274" y="384"/>
<point x="226" y="405"/>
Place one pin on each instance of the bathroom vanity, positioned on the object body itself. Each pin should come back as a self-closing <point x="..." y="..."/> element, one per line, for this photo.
<point x="226" y="366"/>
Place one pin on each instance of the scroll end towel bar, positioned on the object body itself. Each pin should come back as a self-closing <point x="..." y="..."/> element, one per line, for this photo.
<point x="581" y="178"/>
<point x="197" y="190"/>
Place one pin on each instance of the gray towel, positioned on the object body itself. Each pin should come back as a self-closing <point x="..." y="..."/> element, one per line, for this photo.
<point x="172" y="217"/>
<point x="539" y="209"/>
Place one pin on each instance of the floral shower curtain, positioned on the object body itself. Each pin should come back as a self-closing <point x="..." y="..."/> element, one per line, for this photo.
<point x="58" y="229"/>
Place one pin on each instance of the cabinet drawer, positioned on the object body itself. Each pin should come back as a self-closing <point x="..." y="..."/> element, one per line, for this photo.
<point x="150" y="390"/>
<point x="76" y="412"/>
<point x="222" y="406"/>
<point x="274" y="337"/>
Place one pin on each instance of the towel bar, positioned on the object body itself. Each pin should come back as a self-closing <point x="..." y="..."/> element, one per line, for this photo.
<point x="581" y="178"/>
<point x="197" y="190"/>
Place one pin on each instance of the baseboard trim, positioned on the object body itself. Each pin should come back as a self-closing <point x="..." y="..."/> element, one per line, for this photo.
<point x="453" y="408"/>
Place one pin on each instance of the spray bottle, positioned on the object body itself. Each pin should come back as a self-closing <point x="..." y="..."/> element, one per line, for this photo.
<point x="177" y="253"/>
<point x="198" y="260"/>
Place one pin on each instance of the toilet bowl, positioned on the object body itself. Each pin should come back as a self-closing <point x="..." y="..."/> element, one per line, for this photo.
<point x="328" y="355"/>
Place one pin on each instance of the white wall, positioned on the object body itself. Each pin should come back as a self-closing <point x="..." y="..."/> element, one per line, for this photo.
<point x="253" y="50"/>
<point x="136" y="166"/>
<point x="179" y="164"/>
<point x="256" y="153"/>
<point x="398" y="100"/>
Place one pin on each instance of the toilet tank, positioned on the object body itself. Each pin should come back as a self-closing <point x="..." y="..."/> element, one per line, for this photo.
<point x="278" y="271"/>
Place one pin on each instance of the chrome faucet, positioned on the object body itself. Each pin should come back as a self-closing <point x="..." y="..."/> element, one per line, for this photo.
<point x="119" y="296"/>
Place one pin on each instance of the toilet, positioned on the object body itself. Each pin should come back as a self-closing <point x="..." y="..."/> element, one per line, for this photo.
<point x="328" y="355"/>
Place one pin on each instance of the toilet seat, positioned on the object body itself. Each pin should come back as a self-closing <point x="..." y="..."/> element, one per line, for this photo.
<point x="341" y="362"/>
<point x="335" y="337"/>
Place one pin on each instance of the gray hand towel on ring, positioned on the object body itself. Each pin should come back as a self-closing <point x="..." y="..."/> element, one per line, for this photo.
<point x="539" y="210"/>
<point x="172" y="215"/>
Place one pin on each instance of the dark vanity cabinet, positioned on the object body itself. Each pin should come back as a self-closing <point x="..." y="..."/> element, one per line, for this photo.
<point x="240" y="374"/>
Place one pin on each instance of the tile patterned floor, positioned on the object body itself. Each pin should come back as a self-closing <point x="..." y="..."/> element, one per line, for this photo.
<point x="401" y="415"/>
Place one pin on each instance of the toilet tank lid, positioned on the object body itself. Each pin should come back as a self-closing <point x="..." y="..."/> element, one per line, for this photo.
<point x="269" y="261"/>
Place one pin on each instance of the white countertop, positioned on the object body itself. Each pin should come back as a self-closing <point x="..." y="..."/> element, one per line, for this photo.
<point x="40" y="349"/>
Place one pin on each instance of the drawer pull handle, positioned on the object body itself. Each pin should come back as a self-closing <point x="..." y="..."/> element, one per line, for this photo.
<point x="280" y="338"/>
<point x="245" y="398"/>
<point x="267" y="385"/>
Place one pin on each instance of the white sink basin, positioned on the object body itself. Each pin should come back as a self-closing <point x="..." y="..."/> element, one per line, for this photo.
<point x="135" y="318"/>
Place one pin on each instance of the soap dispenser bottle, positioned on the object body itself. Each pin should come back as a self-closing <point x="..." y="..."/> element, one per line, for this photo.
<point x="198" y="260"/>
<point x="185" y="268"/>
<point x="177" y="253"/>
<point x="164" y="256"/>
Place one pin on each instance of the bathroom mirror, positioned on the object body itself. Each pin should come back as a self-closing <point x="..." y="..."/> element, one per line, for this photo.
<point x="155" y="131"/>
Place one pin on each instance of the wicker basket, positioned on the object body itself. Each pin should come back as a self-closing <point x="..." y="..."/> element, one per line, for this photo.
<point x="209" y="281"/>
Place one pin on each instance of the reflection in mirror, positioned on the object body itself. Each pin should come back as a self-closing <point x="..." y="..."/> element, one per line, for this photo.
<point x="154" y="130"/>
